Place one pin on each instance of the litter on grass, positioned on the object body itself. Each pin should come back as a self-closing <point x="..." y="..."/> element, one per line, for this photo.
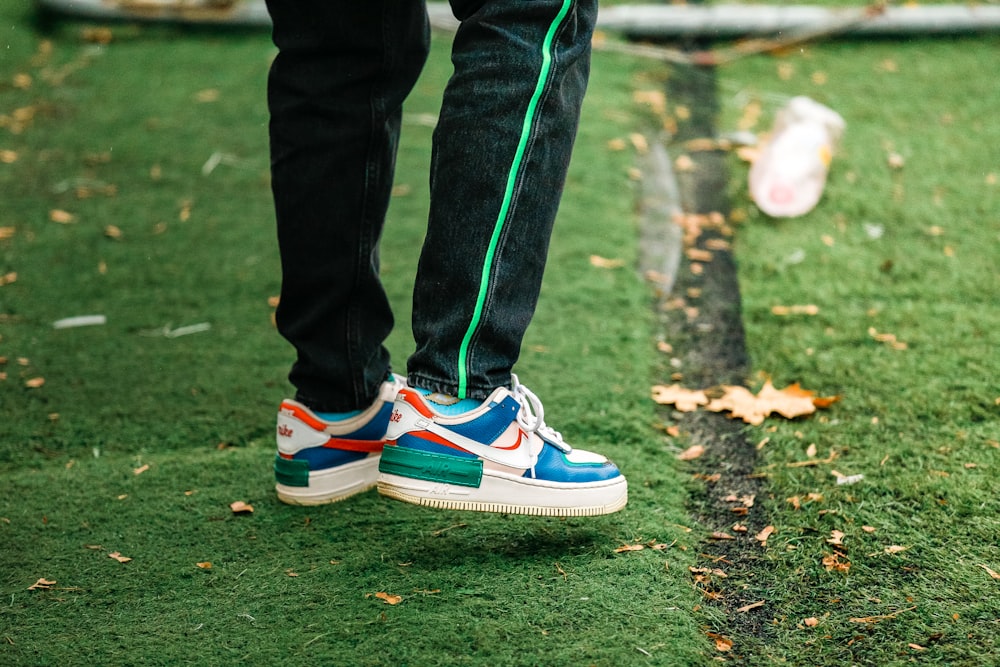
<point x="80" y="321"/>
<point x="167" y="332"/>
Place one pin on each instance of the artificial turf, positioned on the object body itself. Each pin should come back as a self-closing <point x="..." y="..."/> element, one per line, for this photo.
<point x="120" y="136"/>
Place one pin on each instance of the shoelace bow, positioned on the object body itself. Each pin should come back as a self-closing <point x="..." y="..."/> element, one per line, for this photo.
<point x="531" y="416"/>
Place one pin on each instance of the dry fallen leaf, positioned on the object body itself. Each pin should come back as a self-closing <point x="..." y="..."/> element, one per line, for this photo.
<point x="605" y="263"/>
<point x="763" y="535"/>
<point x="811" y="622"/>
<point x="141" y="469"/>
<point x="389" y="599"/>
<point x="42" y="584"/>
<point x="832" y="562"/>
<point x="722" y="643"/>
<point x="790" y="402"/>
<point x="240" y="507"/>
<point x="61" y="216"/>
<point x="691" y="453"/>
<point x="752" y="605"/>
<point x="684" y="400"/>
<point x="895" y="549"/>
<point x="990" y="572"/>
<point x="205" y="565"/>
<point x="34" y="383"/>
<point x="118" y="557"/>
<point x="630" y="547"/>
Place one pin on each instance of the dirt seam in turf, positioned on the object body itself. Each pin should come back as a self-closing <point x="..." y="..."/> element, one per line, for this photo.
<point x="699" y="315"/>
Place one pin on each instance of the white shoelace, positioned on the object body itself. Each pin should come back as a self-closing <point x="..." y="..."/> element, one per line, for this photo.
<point x="531" y="416"/>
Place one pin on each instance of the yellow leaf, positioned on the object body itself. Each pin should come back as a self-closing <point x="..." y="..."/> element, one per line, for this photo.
<point x="205" y="565"/>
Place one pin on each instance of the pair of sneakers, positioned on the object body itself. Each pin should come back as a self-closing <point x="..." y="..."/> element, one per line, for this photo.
<point x="497" y="457"/>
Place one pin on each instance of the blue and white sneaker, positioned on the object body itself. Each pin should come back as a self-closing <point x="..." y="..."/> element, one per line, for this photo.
<point x="322" y="461"/>
<point x="498" y="457"/>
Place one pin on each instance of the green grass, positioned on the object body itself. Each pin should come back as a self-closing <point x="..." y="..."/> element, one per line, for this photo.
<point x="287" y="585"/>
<point x="921" y="423"/>
<point x="297" y="586"/>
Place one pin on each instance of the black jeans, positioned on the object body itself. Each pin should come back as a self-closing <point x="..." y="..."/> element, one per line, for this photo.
<point x="500" y="154"/>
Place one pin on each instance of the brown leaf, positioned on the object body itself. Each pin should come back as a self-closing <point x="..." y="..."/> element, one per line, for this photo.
<point x="752" y="605"/>
<point x="990" y="572"/>
<point x="240" y="507"/>
<point x="629" y="547"/>
<point x="7" y="232"/>
<point x="722" y="643"/>
<point x="61" y="216"/>
<point x="141" y="469"/>
<point x="832" y="562"/>
<point x="691" y="453"/>
<point x="763" y="535"/>
<point x="895" y="549"/>
<point x="719" y="535"/>
<point x="836" y="537"/>
<point x="389" y="599"/>
<point x="605" y="263"/>
<point x="42" y="584"/>
<point x="205" y="565"/>
<point x="685" y="400"/>
<point x="118" y="557"/>
<point x="34" y="383"/>
<point x="8" y="278"/>
<point x="113" y="232"/>
<point x="811" y="622"/>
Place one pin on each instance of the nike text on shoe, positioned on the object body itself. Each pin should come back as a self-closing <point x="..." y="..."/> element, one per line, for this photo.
<point x="321" y="461"/>
<point x="499" y="457"/>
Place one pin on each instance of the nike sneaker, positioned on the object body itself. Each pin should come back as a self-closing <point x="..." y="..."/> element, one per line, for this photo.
<point x="321" y="460"/>
<point x="497" y="457"/>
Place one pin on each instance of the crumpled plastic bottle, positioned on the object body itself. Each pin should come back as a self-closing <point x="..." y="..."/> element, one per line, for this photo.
<point x="789" y="174"/>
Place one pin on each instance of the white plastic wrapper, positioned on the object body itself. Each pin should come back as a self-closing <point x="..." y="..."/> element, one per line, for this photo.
<point x="789" y="174"/>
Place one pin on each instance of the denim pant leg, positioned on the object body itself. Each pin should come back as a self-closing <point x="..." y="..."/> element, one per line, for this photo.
<point x="501" y="150"/>
<point x="335" y="92"/>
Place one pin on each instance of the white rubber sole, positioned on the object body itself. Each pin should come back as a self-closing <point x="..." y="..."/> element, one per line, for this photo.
<point x="507" y="494"/>
<point x="330" y="486"/>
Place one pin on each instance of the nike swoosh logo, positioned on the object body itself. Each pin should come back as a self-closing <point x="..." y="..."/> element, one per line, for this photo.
<point x="515" y="456"/>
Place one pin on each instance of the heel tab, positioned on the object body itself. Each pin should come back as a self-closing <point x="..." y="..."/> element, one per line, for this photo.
<point x="413" y="399"/>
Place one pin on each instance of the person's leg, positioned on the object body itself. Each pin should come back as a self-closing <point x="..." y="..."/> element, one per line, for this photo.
<point x="335" y="93"/>
<point x="501" y="150"/>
